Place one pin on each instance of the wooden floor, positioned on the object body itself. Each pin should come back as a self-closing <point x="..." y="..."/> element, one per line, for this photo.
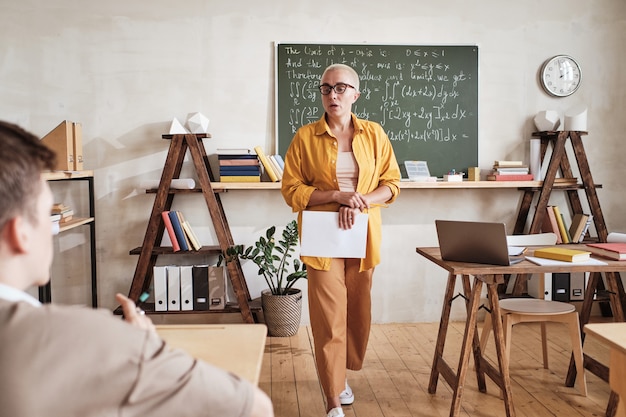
<point x="394" y="379"/>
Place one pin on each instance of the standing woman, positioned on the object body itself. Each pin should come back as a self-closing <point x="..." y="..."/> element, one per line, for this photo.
<point x="347" y="165"/>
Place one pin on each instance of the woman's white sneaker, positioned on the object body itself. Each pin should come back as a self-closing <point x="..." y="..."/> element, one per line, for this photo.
<point x="336" y="412"/>
<point x="347" y="396"/>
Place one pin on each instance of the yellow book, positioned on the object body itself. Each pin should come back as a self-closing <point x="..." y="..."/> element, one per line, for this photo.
<point x="561" y="224"/>
<point x="240" y="178"/>
<point x="266" y="164"/>
<point x="191" y="235"/>
<point x="562" y="254"/>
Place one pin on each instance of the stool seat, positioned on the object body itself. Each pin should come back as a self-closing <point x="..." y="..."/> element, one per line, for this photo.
<point x="532" y="310"/>
<point x="534" y="306"/>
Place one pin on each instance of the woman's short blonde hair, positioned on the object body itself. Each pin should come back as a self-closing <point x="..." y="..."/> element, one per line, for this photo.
<point x="347" y="68"/>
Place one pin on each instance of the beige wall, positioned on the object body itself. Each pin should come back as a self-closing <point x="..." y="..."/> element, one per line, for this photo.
<point x="126" y="69"/>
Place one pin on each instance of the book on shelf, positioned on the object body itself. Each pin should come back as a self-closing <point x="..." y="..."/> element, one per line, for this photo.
<point x="510" y="177"/>
<point x="240" y="178"/>
<point x="508" y="163"/>
<point x="614" y="250"/>
<point x="239" y="173"/>
<point x="266" y="164"/>
<point x="178" y="230"/>
<point x="170" y="230"/>
<point x="561" y="223"/>
<point x="189" y="233"/>
<point x="565" y="181"/>
<point x="280" y="161"/>
<point x="65" y="213"/>
<point x="277" y="169"/>
<point x="510" y="171"/>
<point x="234" y="151"/>
<point x="579" y="220"/>
<point x="562" y="254"/>
<point x="586" y="228"/>
<point x="236" y="162"/>
<point x="550" y="225"/>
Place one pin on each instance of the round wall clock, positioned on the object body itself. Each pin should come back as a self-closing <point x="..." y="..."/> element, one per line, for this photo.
<point x="560" y="76"/>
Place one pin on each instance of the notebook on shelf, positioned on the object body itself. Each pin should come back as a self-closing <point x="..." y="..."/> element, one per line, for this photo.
<point x="475" y="242"/>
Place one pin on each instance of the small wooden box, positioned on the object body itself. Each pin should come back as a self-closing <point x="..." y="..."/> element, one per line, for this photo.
<point x="473" y="174"/>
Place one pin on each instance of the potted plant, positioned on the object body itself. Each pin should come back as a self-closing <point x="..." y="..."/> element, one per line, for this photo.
<point x="282" y="304"/>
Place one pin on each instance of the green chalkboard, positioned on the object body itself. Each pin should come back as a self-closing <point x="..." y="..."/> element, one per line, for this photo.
<point x="424" y="96"/>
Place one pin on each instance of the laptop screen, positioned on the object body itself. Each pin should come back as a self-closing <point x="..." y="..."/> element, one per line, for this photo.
<point x="476" y="242"/>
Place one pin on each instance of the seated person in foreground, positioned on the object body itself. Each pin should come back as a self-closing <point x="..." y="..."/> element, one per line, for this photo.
<point x="71" y="361"/>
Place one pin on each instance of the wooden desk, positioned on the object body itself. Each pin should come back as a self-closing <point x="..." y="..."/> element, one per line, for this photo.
<point x="491" y="275"/>
<point x="237" y="348"/>
<point x="614" y="335"/>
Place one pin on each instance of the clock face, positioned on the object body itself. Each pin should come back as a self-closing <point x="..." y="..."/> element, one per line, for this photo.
<point x="560" y="76"/>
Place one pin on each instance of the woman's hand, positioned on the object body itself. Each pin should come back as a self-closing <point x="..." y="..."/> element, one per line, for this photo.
<point x="353" y="200"/>
<point x="347" y="217"/>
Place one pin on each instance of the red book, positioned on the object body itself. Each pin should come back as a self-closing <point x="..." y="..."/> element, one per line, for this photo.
<point x="615" y="251"/>
<point x="170" y="230"/>
<point x="510" y="177"/>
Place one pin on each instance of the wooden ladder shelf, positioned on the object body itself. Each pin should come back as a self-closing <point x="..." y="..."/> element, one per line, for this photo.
<point x="150" y="250"/>
<point x="614" y="302"/>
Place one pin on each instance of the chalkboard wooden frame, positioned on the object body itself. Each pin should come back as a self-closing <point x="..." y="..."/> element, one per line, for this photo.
<point x="424" y="96"/>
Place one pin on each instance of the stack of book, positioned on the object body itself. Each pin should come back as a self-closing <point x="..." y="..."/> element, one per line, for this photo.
<point x="554" y="222"/>
<point x="180" y="232"/>
<point x="510" y="171"/>
<point x="63" y="213"/>
<point x="238" y="165"/>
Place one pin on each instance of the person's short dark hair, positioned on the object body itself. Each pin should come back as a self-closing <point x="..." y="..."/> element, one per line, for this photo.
<point x="22" y="159"/>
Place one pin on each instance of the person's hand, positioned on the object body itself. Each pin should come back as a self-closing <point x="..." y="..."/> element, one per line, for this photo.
<point x="347" y="217"/>
<point x="353" y="200"/>
<point x="133" y="314"/>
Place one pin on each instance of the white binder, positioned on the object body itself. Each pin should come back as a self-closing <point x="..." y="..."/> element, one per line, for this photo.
<point x="173" y="288"/>
<point x="186" y="288"/>
<point x="160" y="288"/>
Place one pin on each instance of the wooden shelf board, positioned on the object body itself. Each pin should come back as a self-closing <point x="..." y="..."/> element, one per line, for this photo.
<point x="255" y="305"/>
<point x="75" y="222"/>
<point x="167" y="250"/>
<point x="66" y="175"/>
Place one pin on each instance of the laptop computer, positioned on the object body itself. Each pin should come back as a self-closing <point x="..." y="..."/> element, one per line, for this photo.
<point x="475" y="242"/>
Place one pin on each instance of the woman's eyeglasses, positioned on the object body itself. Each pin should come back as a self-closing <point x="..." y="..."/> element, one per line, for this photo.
<point x="339" y="88"/>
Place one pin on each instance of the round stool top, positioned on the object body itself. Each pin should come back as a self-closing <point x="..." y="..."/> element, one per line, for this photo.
<point x="534" y="306"/>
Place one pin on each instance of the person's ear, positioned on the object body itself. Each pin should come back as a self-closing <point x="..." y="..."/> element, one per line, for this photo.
<point x="356" y="96"/>
<point x="15" y="234"/>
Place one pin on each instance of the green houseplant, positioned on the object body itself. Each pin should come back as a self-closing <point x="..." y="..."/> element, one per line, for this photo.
<point x="282" y="304"/>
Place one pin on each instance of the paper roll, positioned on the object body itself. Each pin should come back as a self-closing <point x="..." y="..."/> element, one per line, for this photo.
<point x="535" y="159"/>
<point x="178" y="183"/>
<point x="614" y="237"/>
<point x="576" y="119"/>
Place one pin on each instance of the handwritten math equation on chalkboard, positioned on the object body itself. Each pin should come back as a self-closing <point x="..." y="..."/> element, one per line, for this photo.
<point x="425" y="97"/>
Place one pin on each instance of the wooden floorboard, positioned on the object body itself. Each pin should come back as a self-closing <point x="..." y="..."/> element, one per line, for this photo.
<point x="394" y="379"/>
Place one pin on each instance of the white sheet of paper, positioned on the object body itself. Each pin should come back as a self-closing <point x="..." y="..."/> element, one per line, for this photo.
<point x="553" y="262"/>
<point x="321" y="236"/>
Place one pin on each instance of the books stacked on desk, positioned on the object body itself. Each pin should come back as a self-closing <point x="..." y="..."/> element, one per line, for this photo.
<point x="179" y="231"/>
<point x="510" y="171"/>
<point x="613" y="250"/>
<point x="238" y="165"/>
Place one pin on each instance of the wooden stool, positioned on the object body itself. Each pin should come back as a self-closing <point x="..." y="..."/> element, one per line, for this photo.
<point x="529" y="310"/>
